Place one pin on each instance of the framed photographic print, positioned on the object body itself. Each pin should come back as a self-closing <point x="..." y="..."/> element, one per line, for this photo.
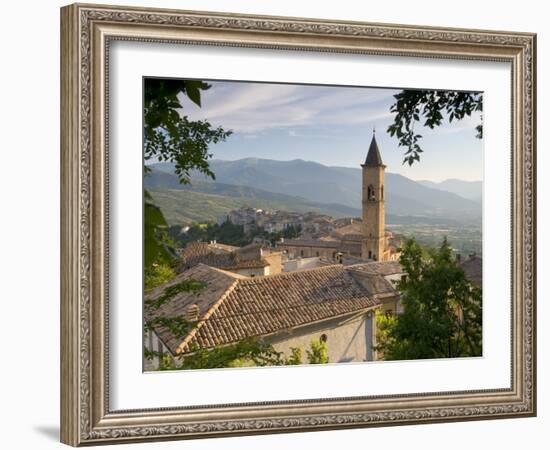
<point x="277" y="224"/>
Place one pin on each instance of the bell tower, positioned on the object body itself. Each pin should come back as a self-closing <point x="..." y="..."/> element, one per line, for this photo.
<point x="374" y="241"/>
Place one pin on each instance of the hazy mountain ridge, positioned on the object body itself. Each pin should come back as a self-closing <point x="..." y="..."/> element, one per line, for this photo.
<point x="182" y="206"/>
<point x="317" y="183"/>
<point x="207" y="201"/>
<point x="471" y="190"/>
<point x="158" y="181"/>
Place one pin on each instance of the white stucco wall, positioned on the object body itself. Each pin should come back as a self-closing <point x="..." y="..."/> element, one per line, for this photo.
<point x="154" y="344"/>
<point x="349" y="339"/>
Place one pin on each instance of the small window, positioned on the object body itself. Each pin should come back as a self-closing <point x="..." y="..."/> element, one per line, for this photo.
<point x="370" y="193"/>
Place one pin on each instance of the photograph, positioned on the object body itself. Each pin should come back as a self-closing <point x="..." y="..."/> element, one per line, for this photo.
<point x="292" y="224"/>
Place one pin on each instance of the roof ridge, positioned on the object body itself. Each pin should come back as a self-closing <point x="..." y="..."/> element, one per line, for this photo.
<point x="229" y="316"/>
<point x="228" y="273"/>
<point x="251" y="280"/>
<point x="205" y="317"/>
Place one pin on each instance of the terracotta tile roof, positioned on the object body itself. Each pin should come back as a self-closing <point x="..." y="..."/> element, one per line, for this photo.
<point x="196" y="253"/>
<point x="376" y="285"/>
<point x="195" y="249"/>
<point x="217" y="283"/>
<point x="263" y="305"/>
<point x="353" y="229"/>
<point x="222" y="247"/>
<point x="247" y="264"/>
<point x="249" y="252"/>
<point x="384" y="268"/>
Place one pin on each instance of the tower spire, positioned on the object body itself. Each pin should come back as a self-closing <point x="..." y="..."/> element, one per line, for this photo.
<point x="373" y="155"/>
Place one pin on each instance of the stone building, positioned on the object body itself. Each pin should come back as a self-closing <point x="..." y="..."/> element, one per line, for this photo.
<point x="328" y="249"/>
<point x="335" y="304"/>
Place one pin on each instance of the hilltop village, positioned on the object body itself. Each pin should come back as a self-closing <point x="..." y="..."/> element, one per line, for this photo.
<point x="325" y="283"/>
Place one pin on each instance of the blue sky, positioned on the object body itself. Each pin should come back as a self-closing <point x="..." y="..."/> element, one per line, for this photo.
<point x="330" y="125"/>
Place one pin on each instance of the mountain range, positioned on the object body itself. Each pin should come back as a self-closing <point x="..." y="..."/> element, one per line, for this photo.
<point x="471" y="190"/>
<point x="305" y="185"/>
<point x="207" y="201"/>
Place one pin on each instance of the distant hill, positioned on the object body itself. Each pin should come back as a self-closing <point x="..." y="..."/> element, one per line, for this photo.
<point x="207" y="201"/>
<point x="471" y="190"/>
<point x="314" y="182"/>
<point x="190" y="205"/>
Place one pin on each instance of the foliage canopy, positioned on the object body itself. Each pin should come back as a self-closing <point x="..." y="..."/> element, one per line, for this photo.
<point x="441" y="315"/>
<point x="428" y="108"/>
<point x="171" y="136"/>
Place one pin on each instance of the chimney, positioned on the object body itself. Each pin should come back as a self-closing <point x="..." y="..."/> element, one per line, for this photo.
<point x="192" y="313"/>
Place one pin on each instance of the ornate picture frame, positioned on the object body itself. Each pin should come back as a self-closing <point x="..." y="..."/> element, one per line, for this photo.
<point x="87" y="32"/>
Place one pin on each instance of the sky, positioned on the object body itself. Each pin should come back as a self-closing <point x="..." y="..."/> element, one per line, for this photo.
<point x="331" y="125"/>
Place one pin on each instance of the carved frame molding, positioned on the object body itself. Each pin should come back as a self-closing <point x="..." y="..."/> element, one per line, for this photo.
<point x="86" y="31"/>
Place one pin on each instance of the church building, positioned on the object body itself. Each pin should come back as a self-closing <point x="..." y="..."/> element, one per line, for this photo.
<point x="367" y="239"/>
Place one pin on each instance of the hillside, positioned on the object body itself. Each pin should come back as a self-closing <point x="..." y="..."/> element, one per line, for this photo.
<point x="161" y="181"/>
<point x="314" y="182"/>
<point x="190" y="205"/>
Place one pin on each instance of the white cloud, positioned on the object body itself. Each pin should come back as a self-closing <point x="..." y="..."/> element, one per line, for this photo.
<point x="250" y="108"/>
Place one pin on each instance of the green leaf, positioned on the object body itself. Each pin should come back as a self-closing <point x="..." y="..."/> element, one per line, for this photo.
<point x="193" y="90"/>
<point x="425" y="107"/>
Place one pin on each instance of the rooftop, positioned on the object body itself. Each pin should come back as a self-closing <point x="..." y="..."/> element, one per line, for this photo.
<point x="196" y="253"/>
<point x="383" y="268"/>
<point x="233" y="307"/>
<point x="354" y="230"/>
